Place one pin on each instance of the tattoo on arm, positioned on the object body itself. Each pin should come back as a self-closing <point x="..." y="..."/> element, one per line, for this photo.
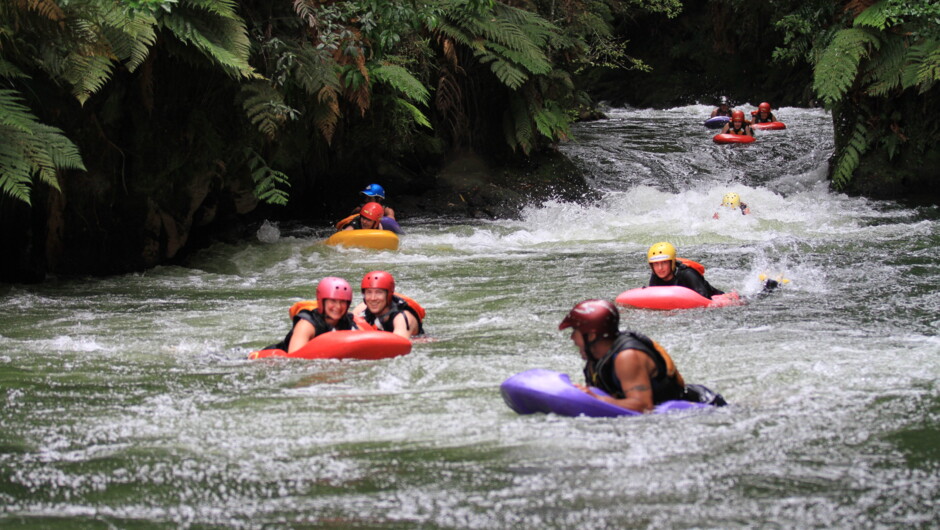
<point x="639" y="388"/>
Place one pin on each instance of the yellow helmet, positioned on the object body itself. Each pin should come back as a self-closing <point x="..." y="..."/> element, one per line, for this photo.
<point x="662" y="251"/>
<point x="731" y="200"/>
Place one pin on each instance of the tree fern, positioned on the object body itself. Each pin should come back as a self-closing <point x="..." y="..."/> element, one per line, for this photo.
<point x="838" y="65"/>
<point x="30" y="150"/>
<point x="923" y="70"/>
<point x="212" y="27"/>
<point x="402" y="81"/>
<point x="848" y="159"/>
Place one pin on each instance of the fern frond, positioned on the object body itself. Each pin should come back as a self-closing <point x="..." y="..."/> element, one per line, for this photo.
<point x="923" y="68"/>
<point x="878" y="16"/>
<point x="30" y="150"/>
<point x="87" y="75"/>
<point x="326" y="115"/>
<point x="401" y="80"/>
<point x="885" y="69"/>
<point x="518" y="125"/>
<point x="315" y="69"/>
<point x="265" y="108"/>
<point x="848" y="159"/>
<point x="48" y="9"/>
<point x="552" y="121"/>
<point x="213" y="28"/>
<point x="413" y="112"/>
<point x="506" y="72"/>
<point x="269" y="183"/>
<point x="837" y="68"/>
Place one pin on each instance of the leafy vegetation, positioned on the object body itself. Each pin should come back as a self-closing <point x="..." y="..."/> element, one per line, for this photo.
<point x="876" y="68"/>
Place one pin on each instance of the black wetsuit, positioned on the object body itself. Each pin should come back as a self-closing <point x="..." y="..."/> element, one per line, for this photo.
<point x="319" y="324"/>
<point x="770" y="117"/>
<point x="386" y="323"/>
<point x="666" y="386"/>
<point x="687" y="277"/>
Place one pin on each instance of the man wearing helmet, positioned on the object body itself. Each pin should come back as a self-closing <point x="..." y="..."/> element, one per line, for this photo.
<point x="369" y="218"/>
<point x="733" y="200"/>
<point x="385" y="310"/>
<point x="723" y="109"/>
<point x="375" y="193"/>
<point x="668" y="271"/>
<point x="636" y="371"/>
<point x="737" y="125"/>
<point x="763" y="114"/>
<point x="334" y="295"/>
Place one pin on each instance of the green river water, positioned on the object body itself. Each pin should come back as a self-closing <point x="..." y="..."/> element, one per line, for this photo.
<point x="128" y="401"/>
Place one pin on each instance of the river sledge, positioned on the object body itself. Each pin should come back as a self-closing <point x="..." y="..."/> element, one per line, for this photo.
<point x="345" y="344"/>
<point x="547" y="391"/>
<point x="669" y="297"/>
<point x="374" y="239"/>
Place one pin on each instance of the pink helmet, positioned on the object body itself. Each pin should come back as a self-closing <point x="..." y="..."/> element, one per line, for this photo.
<point x="333" y="288"/>
<point x="379" y="280"/>
<point x="593" y="316"/>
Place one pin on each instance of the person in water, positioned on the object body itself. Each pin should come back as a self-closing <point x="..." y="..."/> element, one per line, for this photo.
<point x="668" y="271"/>
<point x="375" y="193"/>
<point x="637" y="372"/>
<point x="738" y="125"/>
<point x="334" y="296"/>
<point x="385" y="310"/>
<point x="369" y="218"/>
<point x="733" y="201"/>
<point x="763" y="114"/>
<point x="723" y="109"/>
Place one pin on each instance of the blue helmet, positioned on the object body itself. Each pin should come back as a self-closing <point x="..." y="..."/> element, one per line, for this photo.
<point x="374" y="190"/>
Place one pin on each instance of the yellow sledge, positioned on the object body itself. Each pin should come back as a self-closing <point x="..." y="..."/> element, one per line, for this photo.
<point x="377" y="239"/>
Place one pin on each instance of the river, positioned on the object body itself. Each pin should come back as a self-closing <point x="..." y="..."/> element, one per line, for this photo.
<point x="128" y="401"/>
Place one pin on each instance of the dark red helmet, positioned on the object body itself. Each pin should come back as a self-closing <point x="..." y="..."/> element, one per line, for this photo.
<point x="372" y="211"/>
<point x="379" y="280"/>
<point x="593" y="316"/>
<point x="764" y="106"/>
<point x="737" y="115"/>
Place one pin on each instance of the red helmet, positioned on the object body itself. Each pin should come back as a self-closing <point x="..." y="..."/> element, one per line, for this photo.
<point x="333" y="288"/>
<point x="737" y="115"/>
<point x="593" y="316"/>
<point x="372" y="211"/>
<point x="764" y="106"/>
<point x="379" y="280"/>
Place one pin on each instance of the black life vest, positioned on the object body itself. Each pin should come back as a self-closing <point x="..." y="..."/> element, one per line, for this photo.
<point x="667" y="384"/>
<point x="319" y="325"/>
<point x="386" y="322"/>
<point x="742" y="131"/>
<point x="758" y="119"/>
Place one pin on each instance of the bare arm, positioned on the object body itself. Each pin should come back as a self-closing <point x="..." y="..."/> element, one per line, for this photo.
<point x="632" y="368"/>
<point x="405" y="325"/>
<point x="303" y="332"/>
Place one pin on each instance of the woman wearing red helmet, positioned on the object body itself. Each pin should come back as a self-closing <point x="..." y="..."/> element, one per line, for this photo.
<point x="636" y="371"/>
<point x="737" y="125"/>
<point x="369" y="218"/>
<point x="334" y="296"/>
<point x="763" y="114"/>
<point x="382" y="308"/>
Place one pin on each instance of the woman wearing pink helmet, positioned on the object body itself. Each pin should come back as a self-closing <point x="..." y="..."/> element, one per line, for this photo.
<point x="636" y="371"/>
<point x="334" y="296"/>
<point x="385" y="310"/>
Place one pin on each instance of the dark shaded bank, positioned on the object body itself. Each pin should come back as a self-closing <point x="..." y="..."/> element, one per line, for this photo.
<point x="711" y="49"/>
<point x="98" y="231"/>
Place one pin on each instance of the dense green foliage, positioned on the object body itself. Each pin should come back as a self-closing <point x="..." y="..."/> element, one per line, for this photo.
<point x="877" y="67"/>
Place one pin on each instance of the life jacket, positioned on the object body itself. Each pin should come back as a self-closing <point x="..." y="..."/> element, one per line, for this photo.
<point x="311" y="307"/>
<point x="399" y="304"/>
<point x="758" y="119"/>
<point x="316" y="320"/>
<point x="742" y="131"/>
<point x="688" y="277"/>
<point x="667" y="384"/>
<point x="720" y="113"/>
